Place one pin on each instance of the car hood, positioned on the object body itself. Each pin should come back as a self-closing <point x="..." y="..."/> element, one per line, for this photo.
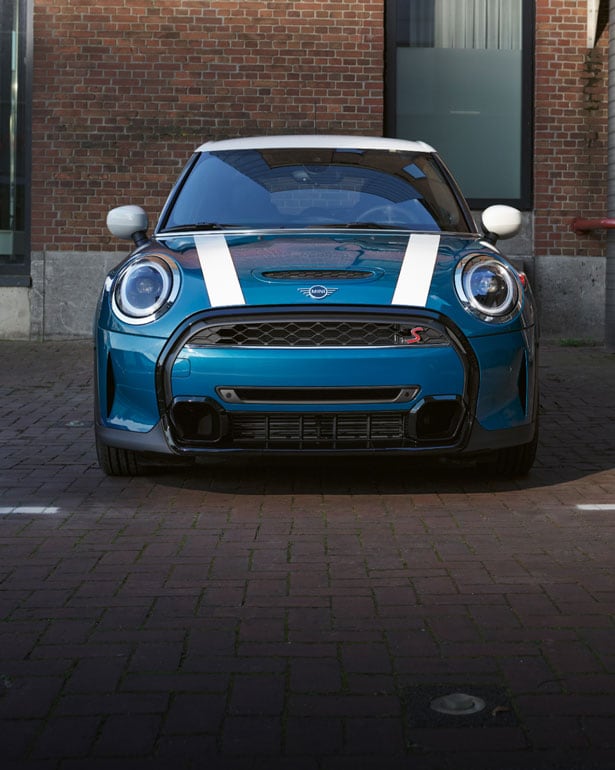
<point x="319" y="268"/>
<point x="378" y="268"/>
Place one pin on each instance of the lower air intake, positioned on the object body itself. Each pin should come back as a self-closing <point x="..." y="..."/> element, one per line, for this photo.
<point x="322" y="431"/>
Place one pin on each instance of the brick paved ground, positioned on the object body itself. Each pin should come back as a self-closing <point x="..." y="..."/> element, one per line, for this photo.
<point x="303" y="616"/>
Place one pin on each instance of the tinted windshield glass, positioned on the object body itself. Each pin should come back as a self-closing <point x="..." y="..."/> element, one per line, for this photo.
<point x="316" y="187"/>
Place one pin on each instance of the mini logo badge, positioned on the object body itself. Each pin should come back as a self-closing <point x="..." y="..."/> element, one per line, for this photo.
<point x="317" y="292"/>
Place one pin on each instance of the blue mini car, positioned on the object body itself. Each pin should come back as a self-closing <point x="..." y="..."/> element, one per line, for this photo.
<point x="324" y="295"/>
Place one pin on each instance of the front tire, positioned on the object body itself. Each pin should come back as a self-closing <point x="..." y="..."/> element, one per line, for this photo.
<point x="514" y="461"/>
<point x="119" y="462"/>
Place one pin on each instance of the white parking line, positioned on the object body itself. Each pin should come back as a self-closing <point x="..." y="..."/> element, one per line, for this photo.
<point x="597" y="507"/>
<point x="33" y="509"/>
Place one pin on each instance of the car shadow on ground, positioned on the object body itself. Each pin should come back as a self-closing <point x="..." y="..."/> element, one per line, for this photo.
<point x="362" y="475"/>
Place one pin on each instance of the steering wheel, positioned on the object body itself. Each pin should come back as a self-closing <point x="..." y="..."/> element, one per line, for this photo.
<point x="318" y="216"/>
<point x="387" y="215"/>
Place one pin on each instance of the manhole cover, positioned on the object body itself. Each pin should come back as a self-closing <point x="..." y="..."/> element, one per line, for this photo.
<point x="458" y="705"/>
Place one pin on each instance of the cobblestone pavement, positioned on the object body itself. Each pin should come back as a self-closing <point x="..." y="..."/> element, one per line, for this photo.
<point x="303" y="615"/>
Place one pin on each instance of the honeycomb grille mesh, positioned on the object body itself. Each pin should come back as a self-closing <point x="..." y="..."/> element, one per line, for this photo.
<point x="315" y="333"/>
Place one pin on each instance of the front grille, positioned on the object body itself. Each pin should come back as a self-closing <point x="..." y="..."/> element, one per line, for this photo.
<point x="318" y="431"/>
<point x="311" y="332"/>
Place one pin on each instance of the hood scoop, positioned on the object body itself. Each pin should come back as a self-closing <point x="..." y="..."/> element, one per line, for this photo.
<point x="317" y="275"/>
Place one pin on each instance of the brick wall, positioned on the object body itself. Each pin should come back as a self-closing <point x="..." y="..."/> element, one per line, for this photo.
<point x="124" y="90"/>
<point x="571" y="116"/>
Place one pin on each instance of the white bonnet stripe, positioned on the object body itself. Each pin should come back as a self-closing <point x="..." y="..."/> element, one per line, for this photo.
<point x="416" y="271"/>
<point x="218" y="270"/>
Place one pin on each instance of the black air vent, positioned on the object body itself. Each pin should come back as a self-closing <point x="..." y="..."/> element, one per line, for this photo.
<point x="324" y="431"/>
<point x="317" y="275"/>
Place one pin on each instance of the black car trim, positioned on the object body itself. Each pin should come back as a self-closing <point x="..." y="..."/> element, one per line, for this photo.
<point x="176" y="342"/>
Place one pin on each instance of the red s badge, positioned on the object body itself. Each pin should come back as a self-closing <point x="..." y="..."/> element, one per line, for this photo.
<point x="414" y="337"/>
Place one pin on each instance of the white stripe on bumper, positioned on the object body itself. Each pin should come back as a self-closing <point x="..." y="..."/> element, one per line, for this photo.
<point x="218" y="270"/>
<point x="416" y="271"/>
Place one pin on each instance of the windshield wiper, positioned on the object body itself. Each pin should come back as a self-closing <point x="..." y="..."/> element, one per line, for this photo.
<point x="197" y="226"/>
<point x="359" y="226"/>
<point x="204" y="226"/>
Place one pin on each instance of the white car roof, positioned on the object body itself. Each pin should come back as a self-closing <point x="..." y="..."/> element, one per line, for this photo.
<point x="295" y="141"/>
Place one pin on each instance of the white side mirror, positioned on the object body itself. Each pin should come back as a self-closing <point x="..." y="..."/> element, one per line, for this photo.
<point x="127" y="221"/>
<point x="501" y="222"/>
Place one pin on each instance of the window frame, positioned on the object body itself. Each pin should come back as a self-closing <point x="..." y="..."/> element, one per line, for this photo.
<point x="525" y="199"/>
<point x="18" y="273"/>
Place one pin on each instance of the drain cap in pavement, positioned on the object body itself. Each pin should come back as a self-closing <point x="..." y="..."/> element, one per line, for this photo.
<point x="468" y="705"/>
<point x="458" y="703"/>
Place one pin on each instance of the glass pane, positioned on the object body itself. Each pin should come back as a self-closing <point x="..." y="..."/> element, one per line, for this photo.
<point x="12" y="109"/>
<point x="317" y="187"/>
<point x="462" y="92"/>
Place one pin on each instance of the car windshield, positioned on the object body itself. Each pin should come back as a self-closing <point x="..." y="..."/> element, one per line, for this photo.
<point x="298" y="188"/>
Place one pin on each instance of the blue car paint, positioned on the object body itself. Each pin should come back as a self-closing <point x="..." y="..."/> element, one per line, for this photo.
<point x="133" y="361"/>
<point x="249" y="251"/>
<point x="427" y="369"/>
<point x="135" y="350"/>
<point x="503" y="360"/>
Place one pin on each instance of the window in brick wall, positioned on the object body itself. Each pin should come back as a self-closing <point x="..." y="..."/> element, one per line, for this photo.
<point x="459" y="77"/>
<point x="14" y="141"/>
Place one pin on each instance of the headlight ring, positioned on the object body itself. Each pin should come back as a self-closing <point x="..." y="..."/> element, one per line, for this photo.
<point x="488" y="288"/>
<point x="144" y="289"/>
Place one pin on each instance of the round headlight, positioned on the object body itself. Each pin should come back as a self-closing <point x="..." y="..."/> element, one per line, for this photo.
<point x="144" y="290"/>
<point x="487" y="288"/>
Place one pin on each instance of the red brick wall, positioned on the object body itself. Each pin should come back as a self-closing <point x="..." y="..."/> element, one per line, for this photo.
<point x="571" y="116"/>
<point x="124" y="91"/>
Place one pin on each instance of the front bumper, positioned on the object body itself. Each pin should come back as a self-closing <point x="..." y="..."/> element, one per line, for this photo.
<point x="203" y="393"/>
